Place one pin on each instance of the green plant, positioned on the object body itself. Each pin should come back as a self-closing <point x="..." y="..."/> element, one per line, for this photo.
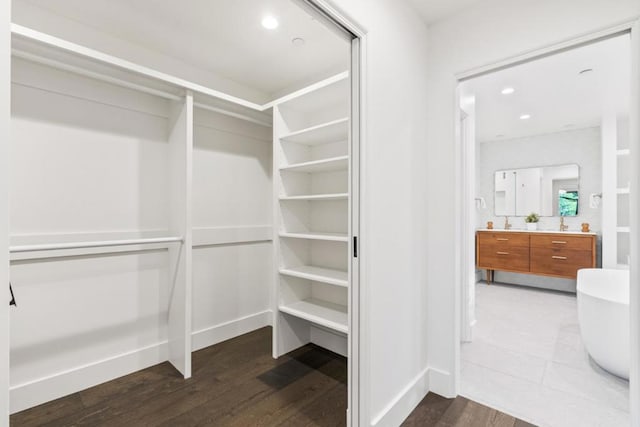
<point x="532" y="217"/>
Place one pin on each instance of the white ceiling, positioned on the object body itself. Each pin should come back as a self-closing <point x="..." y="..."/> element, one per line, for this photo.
<point x="553" y="92"/>
<point x="224" y="37"/>
<point x="436" y="10"/>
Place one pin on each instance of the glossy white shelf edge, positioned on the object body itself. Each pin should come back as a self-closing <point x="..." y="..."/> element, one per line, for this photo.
<point x="86" y="52"/>
<point x="323" y="313"/>
<point x="312" y="197"/>
<point x="623" y="229"/>
<point x="333" y="131"/>
<point x="327" y="165"/>
<point x="309" y="89"/>
<point x="500" y="230"/>
<point x="318" y="274"/>
<point x="127" y="65"/>
<point x="623" y="152"/>
<point x="622" y="191"/>
<point x="330" y="237"/>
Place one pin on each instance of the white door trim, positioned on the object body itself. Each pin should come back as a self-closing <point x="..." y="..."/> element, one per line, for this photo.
<point x="464" y="214"/>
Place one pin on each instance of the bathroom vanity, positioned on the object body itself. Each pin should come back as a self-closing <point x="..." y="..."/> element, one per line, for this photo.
<point x="546" y="253"/>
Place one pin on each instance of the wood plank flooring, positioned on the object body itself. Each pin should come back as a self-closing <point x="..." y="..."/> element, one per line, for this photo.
<point x="238" y="384"/>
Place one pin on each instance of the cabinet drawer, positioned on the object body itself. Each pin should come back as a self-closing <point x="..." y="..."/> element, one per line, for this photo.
<point x="503" y="239"/>
<point x="560" y="241"/>
<point x="559" y="262"/>
<point x="493" y="257"/>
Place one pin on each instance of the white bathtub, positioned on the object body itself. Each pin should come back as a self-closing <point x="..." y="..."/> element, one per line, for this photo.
<point x="603" y="313"/>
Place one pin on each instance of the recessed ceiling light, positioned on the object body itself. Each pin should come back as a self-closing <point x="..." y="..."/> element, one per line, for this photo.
<point x="269" y="22"/>
<point x="298" y="41"/>
<point x="525" y="117"/>
<point x="507" y="91"/>
<point x="585" y="71"/>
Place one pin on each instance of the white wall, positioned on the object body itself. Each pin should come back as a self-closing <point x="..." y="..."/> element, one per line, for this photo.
<point x="490" y="31"/>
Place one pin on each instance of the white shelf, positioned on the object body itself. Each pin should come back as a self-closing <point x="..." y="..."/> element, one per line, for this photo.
<point x="334" y="131"/>
<point x="312" y="197"/>
<point x="324" y="165"/>
<point x="623" y="229"/>
<point x="624" y="152"/>
<point x="622" y="190"/>
<point x="318" y="274"/>
<point x="323" y="313"/>
<point x="330" y="237"/>
<point x="622" y="266"/>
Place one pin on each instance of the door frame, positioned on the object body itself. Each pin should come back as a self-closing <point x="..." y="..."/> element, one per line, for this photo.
<point x="466" y="242"/>
<point x="346" y="25"/>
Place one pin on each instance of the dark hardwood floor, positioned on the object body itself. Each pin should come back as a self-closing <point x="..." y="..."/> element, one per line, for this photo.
<point x="237" y="383"/>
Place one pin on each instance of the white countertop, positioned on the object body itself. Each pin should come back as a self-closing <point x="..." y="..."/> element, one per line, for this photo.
<point x="521" y="230"/>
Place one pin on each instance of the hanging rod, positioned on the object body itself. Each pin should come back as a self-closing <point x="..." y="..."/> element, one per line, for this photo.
<point x="129" y="85"/>
<point x="96" y="244"/>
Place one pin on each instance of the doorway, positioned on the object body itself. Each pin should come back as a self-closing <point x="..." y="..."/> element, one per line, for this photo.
<point x="526" y="342"/>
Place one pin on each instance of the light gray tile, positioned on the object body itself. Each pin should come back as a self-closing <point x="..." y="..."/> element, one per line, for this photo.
<point x="518" y="329"/>
<point x="514" y="363"/>
<point x="534" y="402"/>
<point x="597" y="385"/>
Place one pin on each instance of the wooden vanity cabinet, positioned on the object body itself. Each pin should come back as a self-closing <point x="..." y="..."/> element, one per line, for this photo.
<point x="546" y="254"/>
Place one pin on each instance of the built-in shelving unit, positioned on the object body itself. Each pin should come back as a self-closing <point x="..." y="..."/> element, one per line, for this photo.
<point x="312" y="194"/>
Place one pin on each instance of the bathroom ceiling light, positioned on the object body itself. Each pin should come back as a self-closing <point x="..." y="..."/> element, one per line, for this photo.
<point x="525" y="117"/>
<point x="270" y="23"/>
<point x="507" y="91"/>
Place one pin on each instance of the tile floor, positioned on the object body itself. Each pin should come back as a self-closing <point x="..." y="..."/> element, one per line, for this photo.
<point x="527" y="360"/>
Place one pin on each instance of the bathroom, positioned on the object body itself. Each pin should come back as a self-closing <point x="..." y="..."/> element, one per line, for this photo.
<point x="548" y="171"/>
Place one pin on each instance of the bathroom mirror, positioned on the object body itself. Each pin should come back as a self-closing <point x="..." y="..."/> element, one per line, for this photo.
<point x="547" y="190"/>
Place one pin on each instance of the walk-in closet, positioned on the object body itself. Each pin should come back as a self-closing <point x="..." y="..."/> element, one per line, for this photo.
<point x="181" y="175"/>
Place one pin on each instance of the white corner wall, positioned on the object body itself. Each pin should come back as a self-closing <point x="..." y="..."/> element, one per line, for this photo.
<point x="394" y="208"/>
<point x="491" y="31"/>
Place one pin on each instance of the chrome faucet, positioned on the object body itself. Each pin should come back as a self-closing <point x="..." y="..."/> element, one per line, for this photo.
<point x="506" y="223"/>
<point x="562" y="226"/>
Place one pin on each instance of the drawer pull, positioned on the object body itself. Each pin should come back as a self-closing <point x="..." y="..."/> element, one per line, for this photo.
<point x="559" y="257"/>
<point x="502" y="239"/>
<point x="558" y="242"/>
<point x="502" y="253"/>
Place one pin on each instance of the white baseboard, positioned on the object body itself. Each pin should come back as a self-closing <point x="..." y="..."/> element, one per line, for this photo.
<point x="60" y="384"/>
<point x="225" y="331"/>
<point x="36" y="392"/>
<point x="404" y="403"/>
<point x="441" y="382"/>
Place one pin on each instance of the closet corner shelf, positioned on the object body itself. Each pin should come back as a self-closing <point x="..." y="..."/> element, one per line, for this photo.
<point x="318" y="274"/>
<point x="323" y="313"/>
<point x="312" y="197"/>
<point x="623" y="152"/>
<point x="331" y="237"/>
<point x="623" y="229"/>
<point x="622" y="191"/>
<point x="333" y="131"/>
<point x="324" y="165"/>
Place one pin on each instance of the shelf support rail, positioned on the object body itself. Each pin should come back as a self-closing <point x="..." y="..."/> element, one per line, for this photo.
<point x="95" y="244"/>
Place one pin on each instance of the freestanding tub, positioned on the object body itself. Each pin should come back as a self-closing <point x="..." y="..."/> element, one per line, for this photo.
<point x="603" y="314"/>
